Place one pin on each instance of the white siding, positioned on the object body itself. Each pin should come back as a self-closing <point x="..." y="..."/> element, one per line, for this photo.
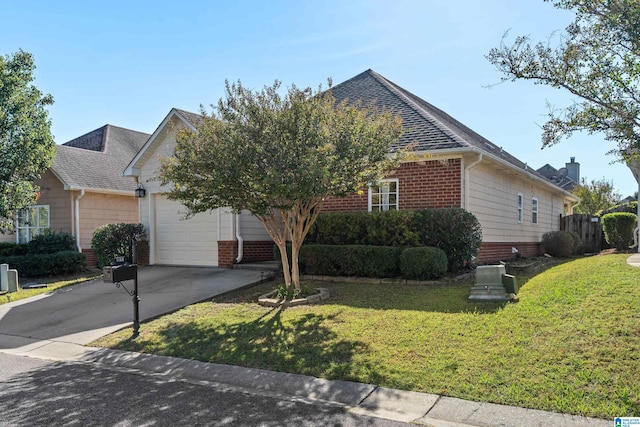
<point x="251" y="229"/>
<point x="493" y="197"/>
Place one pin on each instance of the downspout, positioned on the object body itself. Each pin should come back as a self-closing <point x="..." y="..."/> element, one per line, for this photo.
<point x="77" y="218"/>
<point x="466" y="180"/>
<point x="239" y="238"/>
<point x="635" y="232"/>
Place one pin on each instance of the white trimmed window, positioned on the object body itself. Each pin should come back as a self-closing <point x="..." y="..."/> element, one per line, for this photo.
<point x="534" y="210"/>
<point x="520" y="203"/>
<point x="383" y="195"/>
<point x="31" y="222"/>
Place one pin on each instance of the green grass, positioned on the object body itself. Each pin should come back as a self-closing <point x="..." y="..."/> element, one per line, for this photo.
<point x="52" y="285"/>
<point x="570" y="345"/>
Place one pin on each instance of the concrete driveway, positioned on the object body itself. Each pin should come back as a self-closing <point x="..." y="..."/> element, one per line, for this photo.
<point x="82" y="313"/>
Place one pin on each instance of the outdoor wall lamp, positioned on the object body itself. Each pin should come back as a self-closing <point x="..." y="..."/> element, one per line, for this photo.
<point x="140" y="191"/>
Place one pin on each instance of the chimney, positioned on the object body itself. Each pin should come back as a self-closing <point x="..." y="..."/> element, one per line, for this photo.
<point x="573" y="170"/>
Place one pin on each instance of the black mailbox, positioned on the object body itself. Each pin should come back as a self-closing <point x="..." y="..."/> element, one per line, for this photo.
<point x="120" y="273"/>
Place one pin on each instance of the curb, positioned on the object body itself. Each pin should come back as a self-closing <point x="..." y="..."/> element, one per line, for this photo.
<point x="362" y="399"/>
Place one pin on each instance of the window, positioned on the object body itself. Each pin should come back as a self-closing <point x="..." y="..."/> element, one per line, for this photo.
<point x="534" y="210"/>
<point x="383" y="196"/>
<point x="520" y="202"/>
<point x="31" y="222"/>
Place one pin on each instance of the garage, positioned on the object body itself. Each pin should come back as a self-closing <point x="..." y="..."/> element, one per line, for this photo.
<point x="184" y="242"/>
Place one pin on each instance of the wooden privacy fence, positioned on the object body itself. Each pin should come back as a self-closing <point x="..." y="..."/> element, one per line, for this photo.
<point x="588" y="227"/>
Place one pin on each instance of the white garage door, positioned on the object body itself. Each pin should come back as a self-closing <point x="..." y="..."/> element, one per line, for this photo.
<point x="184" y="242"/>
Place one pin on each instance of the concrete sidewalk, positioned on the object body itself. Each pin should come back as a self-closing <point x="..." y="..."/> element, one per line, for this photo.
<point x="363" y="399"/>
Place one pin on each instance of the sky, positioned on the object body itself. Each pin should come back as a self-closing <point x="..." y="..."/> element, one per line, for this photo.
<point x="127" y="63"/>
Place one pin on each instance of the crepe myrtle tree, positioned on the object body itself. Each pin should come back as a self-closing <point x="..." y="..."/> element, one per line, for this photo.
<point x="279" y="157"/>
<point x="26" y="145"/>
<point x="597" y="59"/>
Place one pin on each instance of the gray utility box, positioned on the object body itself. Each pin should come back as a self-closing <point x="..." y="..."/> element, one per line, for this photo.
<point x="120" y="273"/>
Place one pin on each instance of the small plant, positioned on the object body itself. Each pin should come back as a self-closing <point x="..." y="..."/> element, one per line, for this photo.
<point x="114" y="240"/>
<point x="560" y="244"/>
<point x="288" y="294"/>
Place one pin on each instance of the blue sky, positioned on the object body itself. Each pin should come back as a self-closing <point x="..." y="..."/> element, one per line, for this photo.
<point x="127" y="63"/>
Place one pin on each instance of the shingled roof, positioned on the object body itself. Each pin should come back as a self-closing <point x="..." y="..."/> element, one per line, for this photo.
<point x="95" y="160"/>
<point x="425" y="126"/>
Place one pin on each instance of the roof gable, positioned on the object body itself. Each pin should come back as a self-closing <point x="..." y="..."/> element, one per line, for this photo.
<point x="189" y="119"/>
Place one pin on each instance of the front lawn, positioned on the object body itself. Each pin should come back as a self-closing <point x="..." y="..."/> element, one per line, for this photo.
<point x="53" y="283"/>
<point x="570" y="345"/>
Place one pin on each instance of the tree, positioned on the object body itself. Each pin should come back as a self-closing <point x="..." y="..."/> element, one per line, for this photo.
<point x="26" y="145"/>
<point x="595" y="196"/>
<point x="279" y="157"/>
<point x="596" y="59"/>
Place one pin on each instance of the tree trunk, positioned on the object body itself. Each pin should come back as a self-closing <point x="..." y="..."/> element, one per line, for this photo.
<point x="285" y="264"/>
<point x="295" y="272"/>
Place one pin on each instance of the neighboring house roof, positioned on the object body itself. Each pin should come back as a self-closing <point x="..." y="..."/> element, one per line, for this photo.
<point x="426" y="128"/>
<point x="95" y="160"/>
<point x="558" y="177"/>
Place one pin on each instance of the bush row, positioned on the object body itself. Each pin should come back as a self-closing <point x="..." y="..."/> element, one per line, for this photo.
<point x="455" y="231"/>
<point x="419" y="263"/>
<point x="45" y="243"/>
<point x="13" y="249"/>
<point x="38" y="265"/>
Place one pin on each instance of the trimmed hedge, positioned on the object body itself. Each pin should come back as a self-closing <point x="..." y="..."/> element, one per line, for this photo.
<point x="630" y="207"/>
<point x="38" y="265"/>
<point x="618" y="229"/>
<point x="112" y="240"/>
<point x="561" y="244"/>
<point x="350" y="260"/>
<point x="423" y="263"/>
<point x="373" y="261"/>
<point x="455" y="231"/>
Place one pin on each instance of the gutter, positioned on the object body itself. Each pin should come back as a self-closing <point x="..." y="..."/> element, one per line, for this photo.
<point x="239" y="238"/>
<point x="466" y="180"/>
<point x="77" y="218"/>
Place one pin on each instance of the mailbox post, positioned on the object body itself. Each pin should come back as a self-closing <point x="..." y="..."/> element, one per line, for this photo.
<point x="121" y="273"/>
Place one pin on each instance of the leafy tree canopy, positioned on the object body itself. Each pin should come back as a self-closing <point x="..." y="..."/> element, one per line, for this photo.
<point x="597" y="59"/>
<point x="596" y="196"/>
<point x="26" y="145"/>
<point x="279" y="156"/>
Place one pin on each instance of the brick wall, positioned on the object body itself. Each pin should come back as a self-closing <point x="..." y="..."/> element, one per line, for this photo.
<point x="500" y="251"/>
<point x="227" y="252"/>
<point x="142" y="257"/>
<point x="426" y="184"/>
<point x="254" y="251"/>
<point x="92" y="261"/>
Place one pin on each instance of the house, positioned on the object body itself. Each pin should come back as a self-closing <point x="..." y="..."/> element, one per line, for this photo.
<point x="216" y="238"/>
<point x="567" y="177"/>
<point x="84" y="188"/>
<point x="452" y="166"/>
